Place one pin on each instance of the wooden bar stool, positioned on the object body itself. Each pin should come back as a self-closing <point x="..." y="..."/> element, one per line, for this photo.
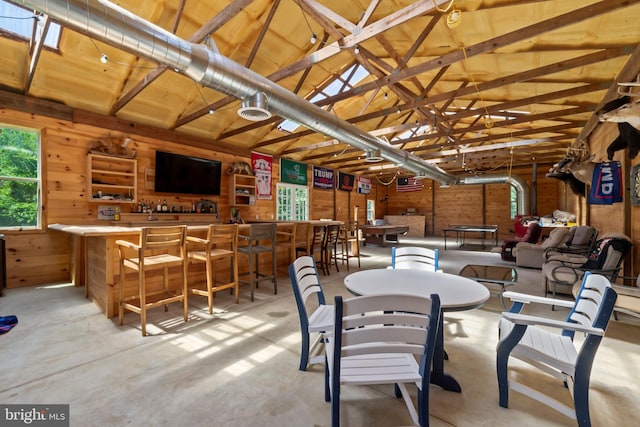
<point x="221" y="244"/>
<point x="330" y="247"/>
<point x="350" y="242"/>
<point x="158" y="248"/>
<point x="286" y="238"/>
<point x="304" y="238"/>
<point x="261" y="239"/>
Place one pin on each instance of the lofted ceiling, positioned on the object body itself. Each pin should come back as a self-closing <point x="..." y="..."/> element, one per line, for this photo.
<point x="473" y="86"/>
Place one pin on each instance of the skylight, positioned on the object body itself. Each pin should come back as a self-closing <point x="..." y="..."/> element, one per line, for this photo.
<point x="417" y="131"/>
<point x="347" y="80"/>
<point x="19" y="21"/>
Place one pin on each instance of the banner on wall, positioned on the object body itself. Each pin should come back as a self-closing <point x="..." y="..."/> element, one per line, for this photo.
<point x="408" y="184"/>
<point x="293" y="172"/>
<point x="262" y="168"/>
<point x="345" y="181"/>
<point x="322" y="178"/>
<point x="364" y="185"/>
<point x="606" y="184"/>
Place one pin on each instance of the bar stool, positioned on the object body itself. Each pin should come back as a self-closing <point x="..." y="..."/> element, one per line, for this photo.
<point x="330" y="247"/>
<point x="349" y="238"/>
<point x="316" y="246"/>
<point x="286" y="238"/>
<point x="158" y="248"/>
<point x="304" y="238"/>
<point x="221" y="244"/>
<point x="259" y="234"/>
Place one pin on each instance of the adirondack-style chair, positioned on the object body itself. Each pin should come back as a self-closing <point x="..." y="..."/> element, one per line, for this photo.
<point x="375" y="340"/>
<point x="530" y="339"/>
<point x="315" y="319"/>
<point x="415" y="257"/>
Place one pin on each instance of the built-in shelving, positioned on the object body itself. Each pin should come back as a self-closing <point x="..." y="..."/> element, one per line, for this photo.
<point x="111" y="179"/>
<point x="242" y="190"/>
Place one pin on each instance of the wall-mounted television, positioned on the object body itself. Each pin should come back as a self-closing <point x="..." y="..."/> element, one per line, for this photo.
<point x="176" y="173"/>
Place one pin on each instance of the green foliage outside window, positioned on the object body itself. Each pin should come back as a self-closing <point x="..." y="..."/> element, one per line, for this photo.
<point x="18" y="178"/>
<point x="514" y="202"/>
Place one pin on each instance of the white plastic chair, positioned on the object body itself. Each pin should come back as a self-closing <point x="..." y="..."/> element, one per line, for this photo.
<point x="375" y="340"/>
<point x="313" y="321"/>
<point x="529" y="339"/>
<point x="415" y="257"/>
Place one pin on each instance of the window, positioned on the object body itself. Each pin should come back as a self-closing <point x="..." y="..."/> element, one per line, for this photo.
<point x="22" y="22"/>
<point x="292" y="202"/>
<point x="514" y="202"/>
<point x="371" y="211"/>
<point x="20" y="178"/>
<point x="347" y="80"/>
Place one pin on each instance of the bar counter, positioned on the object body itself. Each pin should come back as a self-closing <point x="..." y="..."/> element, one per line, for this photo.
<point x="95" y="261"/>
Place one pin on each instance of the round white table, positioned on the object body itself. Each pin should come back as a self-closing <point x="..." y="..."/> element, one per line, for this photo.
<point x="456" y="294"/>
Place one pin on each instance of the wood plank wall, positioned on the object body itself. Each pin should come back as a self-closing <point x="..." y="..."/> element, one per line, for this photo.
<point x="41" y="257"/>
<point x="469" y="204"/>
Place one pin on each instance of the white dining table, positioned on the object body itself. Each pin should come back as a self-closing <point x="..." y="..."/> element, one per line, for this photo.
<point x="456" y="294"/>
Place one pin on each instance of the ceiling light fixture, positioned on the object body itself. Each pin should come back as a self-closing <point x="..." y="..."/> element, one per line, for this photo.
<point x="254" y="108"/>
<point x="104" y="58"/>
<point x="356" y="50"/>
<point x="454" y="18"/>
<point x="210" y="110"/>
<point x="386" y="96"/>
<point x="313" y="38"/>
<point x="373" y="156"/>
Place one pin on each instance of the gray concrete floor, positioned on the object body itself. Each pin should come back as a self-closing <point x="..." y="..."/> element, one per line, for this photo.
<point x="239" y="367"/>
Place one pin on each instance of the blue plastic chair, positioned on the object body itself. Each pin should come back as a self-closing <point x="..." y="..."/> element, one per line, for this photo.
<point x="415" y="257"/>
<point x="529" y="339"/>
<point x="313" y="321"/>
<point x="383" y="339"/>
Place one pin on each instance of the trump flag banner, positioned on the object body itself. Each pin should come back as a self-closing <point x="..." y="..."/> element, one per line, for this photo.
<point x="606" y="184"/>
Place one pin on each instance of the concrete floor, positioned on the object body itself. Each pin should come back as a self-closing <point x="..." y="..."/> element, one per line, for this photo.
<point x="239" y="366"/>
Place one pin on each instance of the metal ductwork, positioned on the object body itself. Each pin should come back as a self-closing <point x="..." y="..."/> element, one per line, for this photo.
<point x="521" y="186"/>
<point x="107" y="22"/>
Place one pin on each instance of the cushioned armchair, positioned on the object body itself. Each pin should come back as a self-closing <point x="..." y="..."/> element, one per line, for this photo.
<point x="531" y="255"/>
<point x="581" y="240"/>
<point x="531" y="236"/>
<point x="562" y="272"/>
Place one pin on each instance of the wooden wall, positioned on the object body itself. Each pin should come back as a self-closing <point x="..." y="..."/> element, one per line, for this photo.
<point x="619" y="217"/>
<point x="471" y="203"/>
<point x="40" y="257"/>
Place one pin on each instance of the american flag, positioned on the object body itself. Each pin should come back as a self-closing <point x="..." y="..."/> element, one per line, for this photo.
<point x="409" y="184"/>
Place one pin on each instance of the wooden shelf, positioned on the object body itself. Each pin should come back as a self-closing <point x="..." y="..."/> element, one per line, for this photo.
<point x="170" y="218"/>
<point x="111" y="179"/>
<point x="242" y="190"/>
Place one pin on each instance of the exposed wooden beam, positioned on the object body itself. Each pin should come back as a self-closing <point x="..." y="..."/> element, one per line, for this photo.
<point x="263" y="31"/>
<point x="486" y="46"/>
<point x="629" y="72"/>
<point x="35" y="50"/>
<point x="211" y="26"/>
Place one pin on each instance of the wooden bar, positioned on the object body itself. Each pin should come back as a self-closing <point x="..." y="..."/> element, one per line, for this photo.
<point x="99" y="264"/>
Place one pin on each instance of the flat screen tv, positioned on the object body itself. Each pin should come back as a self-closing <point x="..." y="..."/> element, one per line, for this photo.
<point x="176" y="173"/>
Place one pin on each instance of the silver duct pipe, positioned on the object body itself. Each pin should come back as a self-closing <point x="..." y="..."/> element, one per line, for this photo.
<point x="522" y="188"/>
<point x="107" y="22"/>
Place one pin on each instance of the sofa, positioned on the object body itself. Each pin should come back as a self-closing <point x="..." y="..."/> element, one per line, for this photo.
<point x="508" y="245"/>
<point x="531" y="255"/>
